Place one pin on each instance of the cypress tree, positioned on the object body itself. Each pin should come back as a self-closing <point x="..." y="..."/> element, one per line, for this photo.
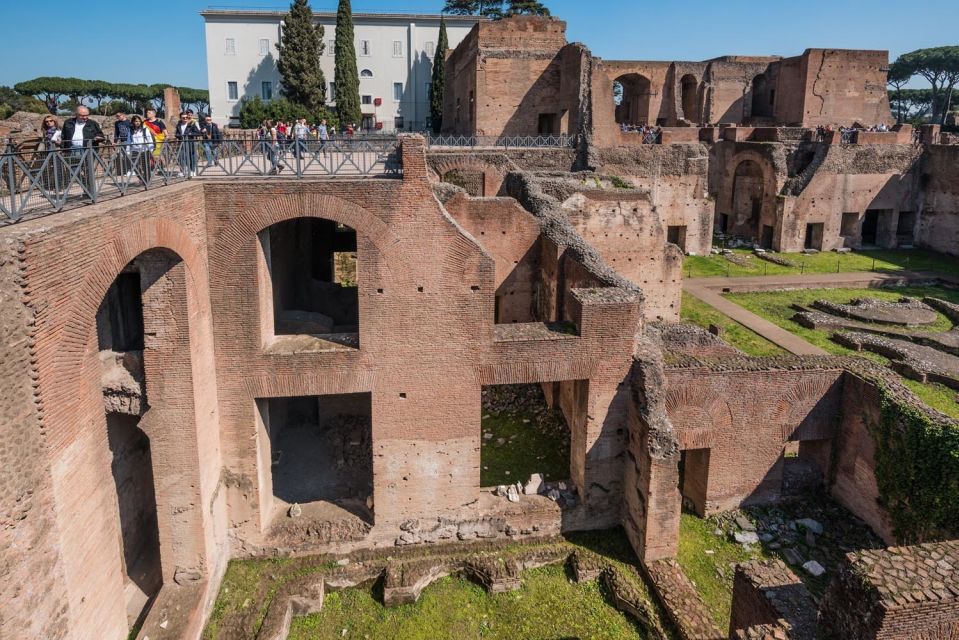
<point x="346" y="78"/>
<point x="521" y="7"/>
<point x="300" y="48"/>
<point x="438" y="84"/>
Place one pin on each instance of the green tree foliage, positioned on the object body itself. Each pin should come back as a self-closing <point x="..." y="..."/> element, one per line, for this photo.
<point x="899" y="76"/>
<point x="521" y="7"/>
<point x="438" y="83"/>
<point x="198" y="99"/>
<point x="938" y="65"/>
<point x="911" y="105"/>
<point x="488" y="8"/>
<point x="254" y="112"/>
<point x="300" y="48"/>
<point x="12" y="101"/>
<point x="346" y="78"/>
<point x="77" y="91"/>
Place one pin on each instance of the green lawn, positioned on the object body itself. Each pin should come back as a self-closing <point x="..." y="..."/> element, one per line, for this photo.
<point x="548" y="606"/>
<point x="695" y="539"/>
<point x="519" y="449"/>
<point x="825" y="262"/>
<point x="699" y="313"/>
<point x="775" y="306"/>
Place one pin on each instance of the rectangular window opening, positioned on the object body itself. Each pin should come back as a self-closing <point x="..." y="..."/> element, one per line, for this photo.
<point x="232" y="91"/>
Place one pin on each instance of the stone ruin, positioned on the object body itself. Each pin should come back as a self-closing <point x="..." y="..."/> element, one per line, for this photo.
<point x="178" y="360"/>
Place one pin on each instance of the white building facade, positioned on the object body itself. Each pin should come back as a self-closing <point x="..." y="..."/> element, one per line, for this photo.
<point x="394" y="54"/>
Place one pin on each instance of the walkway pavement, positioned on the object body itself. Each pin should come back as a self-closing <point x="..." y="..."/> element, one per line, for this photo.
<point x="710" y="290"/>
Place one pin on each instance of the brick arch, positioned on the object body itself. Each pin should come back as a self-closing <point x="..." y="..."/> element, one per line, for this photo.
<point x="765" y="164"/>
<point x="697" y="416"/>
<point x="252" y="220"/>
<point x="493" y="175"/>
<point x="808" y="410"/>
<point x="120" y="250"/>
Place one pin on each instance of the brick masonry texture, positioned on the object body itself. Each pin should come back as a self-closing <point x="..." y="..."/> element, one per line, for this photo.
<point x="545" y="266"/>
<point x="900" y="592"/>
<point x="768" y="593"/>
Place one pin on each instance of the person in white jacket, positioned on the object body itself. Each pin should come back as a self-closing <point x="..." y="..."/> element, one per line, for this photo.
<point x="140" y="148"/>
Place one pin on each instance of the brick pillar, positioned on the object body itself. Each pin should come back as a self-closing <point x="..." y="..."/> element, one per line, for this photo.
<point x="171" y="105"/>
<point x="171" y="421"/>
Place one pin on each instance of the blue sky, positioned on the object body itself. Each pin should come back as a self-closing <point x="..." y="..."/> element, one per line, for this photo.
<point x="129" y="41"/>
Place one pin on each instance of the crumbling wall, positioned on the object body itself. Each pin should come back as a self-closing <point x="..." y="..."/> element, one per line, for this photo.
<point x="511" y="236"/>
<point x="33" y="598"/>
<point x="746" y="405"/>
<point x="938" y="227"/>
<point x="625" y="230"/>
<point x="898" y="593"/>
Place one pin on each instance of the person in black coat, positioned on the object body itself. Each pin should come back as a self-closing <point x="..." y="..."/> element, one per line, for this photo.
<point x="79" y="131"/>
<point x="211" y="139"/>
<point x="187" y="132"/>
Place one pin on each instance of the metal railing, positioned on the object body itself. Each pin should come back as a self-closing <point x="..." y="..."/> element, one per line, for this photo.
<point x="503" y="142"/>
<point x="649" y="136"/>
<point x="40" y="181"/>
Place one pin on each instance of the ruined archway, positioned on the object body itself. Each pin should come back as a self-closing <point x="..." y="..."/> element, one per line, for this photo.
<point x="631" y="96"/>
<point x="690" y="101"/>
<point x="176" y="428"/>
<point x="747" y="203"/>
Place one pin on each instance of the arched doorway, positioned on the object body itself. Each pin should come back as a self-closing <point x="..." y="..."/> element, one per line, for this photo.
<point x="631" y="94"/>
<point x="129" y="361"/>
<point x="747" y="202"/>
<point x="690" y="100"/>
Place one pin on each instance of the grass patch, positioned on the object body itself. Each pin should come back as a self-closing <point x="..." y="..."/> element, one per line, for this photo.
<point x="775" y="306"/>
<point x="711" y="573"/>
<point x="699" y="313"/>
<point x="547" y="606"/>
<point x="825" y="262"/>
<point x="518" y="449"/>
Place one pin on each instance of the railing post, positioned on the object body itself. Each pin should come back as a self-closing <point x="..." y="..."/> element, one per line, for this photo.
<point x="11" y="185"/>
<point x="91" y="176"/>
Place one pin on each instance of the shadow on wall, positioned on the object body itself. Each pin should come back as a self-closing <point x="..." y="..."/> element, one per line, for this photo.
<point x="253" y="86"/>
<point x="539" y="110"/>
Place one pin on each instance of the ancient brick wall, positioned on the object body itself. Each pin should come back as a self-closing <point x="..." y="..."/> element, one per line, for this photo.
<point x="64" y="299"/>
<point x="854" y="483"/>
<point x="844" y="86"/>
<point x="626" y="230"/>
<point x="511" y="235"/>
<point x="768" y="592"/>
<point x="33" y="598"/>
<point x="938" y="227"/>
<point x="895" y="594"/>
<point x="728" y="412"/>
<point x="509" y="78"/>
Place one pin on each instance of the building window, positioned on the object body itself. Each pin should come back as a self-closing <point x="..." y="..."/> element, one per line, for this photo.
<point x="430" y="49"/>
<point x="332" y="92"/>
<point x="366" y="73"/>
<point x="231" y="46"/>
<point x="397" y="91"/>
<point x="267" y="90"/>
<point x="264" y="47"/>
<point x="398" y="123"/>
<point x="331" y="47"/>
<point x="365" y="48"/>
<point x="367" y="99"/>
<point x="397" y="48"/>
<point x="232" y="91"/>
